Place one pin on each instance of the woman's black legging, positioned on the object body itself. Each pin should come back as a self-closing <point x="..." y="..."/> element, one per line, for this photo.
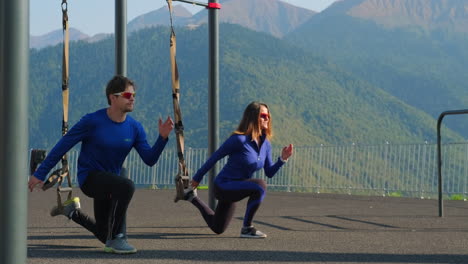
<point x="112" y="195"/>
<point x="228" y="193"/>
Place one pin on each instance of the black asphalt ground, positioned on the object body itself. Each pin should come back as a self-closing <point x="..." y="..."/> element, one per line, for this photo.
<point x="301" y="228"/>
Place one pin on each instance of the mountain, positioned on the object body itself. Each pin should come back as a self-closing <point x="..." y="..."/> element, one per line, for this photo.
<point x="421" y="61"/>
<point x="271" y="16"/>
<point x="160" y="16"/>
<point x="97" y="37"/>
<point x="441" y="14"/>
<point x="312" y="101"/>
<point x="337" y="78"/>
<point x="55" y="37"/>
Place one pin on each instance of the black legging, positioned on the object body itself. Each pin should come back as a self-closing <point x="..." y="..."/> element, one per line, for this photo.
<point x="228" y="194"/>
<point x="111" y="194"/>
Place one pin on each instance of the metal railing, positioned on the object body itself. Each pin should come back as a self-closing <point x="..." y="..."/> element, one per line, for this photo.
<point x="407" y="170"/>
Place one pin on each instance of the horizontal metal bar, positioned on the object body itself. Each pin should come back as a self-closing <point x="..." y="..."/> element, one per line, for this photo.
<point x="193" y="2"/>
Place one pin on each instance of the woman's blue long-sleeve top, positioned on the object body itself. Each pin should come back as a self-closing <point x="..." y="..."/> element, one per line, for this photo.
<point x="244" y="159"/>
<point x="104" y="145"/>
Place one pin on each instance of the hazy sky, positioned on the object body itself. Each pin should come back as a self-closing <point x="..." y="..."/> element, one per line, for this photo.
<point x="97" y="16"/>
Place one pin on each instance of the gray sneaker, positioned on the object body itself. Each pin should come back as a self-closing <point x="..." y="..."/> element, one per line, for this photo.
<point x="119" y="245"/>
<point x="67" y="208"/>
<point x="251" y="232"/>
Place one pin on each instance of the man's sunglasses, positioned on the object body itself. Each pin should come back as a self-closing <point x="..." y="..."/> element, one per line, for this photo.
<point x="264" y="116"/>
<point x="126" y="95"/>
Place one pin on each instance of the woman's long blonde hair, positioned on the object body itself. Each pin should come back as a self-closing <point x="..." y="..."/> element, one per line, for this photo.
<point x="250" y="123"/>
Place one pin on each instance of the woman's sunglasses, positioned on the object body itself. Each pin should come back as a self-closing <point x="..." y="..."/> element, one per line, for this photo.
<point x="126" y="95"/>
<point x="264" y="116"/>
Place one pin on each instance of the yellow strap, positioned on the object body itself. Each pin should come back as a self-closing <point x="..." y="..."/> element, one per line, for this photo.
<point x="183" y="171"/>
<point x="65" y="56"/>
<point x="57" y="176"/>
<point x="65" y="95"/>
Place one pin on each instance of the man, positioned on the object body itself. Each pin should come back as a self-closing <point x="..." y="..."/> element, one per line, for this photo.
<point x="106" y="137"/>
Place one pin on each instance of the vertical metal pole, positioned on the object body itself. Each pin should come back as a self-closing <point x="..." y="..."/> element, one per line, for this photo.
<point x="213" y="95"/>
<point x="121" y="64"/>
<point x="439" y="167"/>
<point x="121" y="37"/>
<point x="14" y="51"/>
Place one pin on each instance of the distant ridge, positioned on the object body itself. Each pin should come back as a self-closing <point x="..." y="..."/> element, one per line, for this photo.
<point x="271" y="16"/>
<point x="428" y="14"/>
<point x="55" y="37"/>
<point x="154" y="18"/>
<point x="274" y="17"/>
<point x="160" y="17"/>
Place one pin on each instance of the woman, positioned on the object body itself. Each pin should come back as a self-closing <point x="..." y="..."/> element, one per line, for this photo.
<point x="249" y="150"/>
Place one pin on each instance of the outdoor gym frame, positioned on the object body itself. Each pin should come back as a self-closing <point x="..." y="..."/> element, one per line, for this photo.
<point x="14" y="81"/>
<point x="439" y="155"/>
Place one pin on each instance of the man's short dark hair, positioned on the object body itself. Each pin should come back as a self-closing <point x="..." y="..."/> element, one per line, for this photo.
<point x="118" y="84"/>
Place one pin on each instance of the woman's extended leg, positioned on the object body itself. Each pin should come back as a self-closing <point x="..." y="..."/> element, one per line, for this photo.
<point x="228" y="194"/>
<point x="217" y="220"/>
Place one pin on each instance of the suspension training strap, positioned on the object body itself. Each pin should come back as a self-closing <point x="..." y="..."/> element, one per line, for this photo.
<point x="182" y="178"/>
<point x="58" y="175"/>
<point x="65" y="95"/>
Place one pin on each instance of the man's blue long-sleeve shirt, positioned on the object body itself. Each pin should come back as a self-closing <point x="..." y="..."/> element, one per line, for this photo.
<point x="245" y="157"/>
<point x="104" y="145"/>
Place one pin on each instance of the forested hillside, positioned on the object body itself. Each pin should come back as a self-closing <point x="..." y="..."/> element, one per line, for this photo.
<point x="312" y="100"/>
<point x="414" y="50"/>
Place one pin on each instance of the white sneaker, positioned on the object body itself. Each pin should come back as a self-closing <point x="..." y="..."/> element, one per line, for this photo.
<point x="251" y="232"/>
